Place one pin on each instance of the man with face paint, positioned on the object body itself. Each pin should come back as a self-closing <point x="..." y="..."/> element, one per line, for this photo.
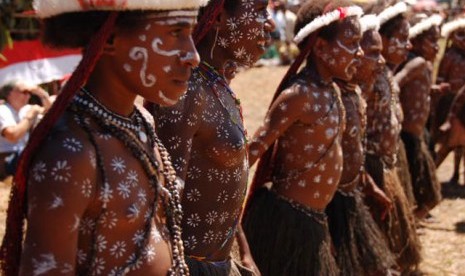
<point x="360" y="246"/>
<point x="384" y="118"/>
<point x="299" y="146"/>
<point x="450" y="71"/>
<point x="206" y="136"/>
<point x="100" y="191"/>
<point x="415" y="81"/>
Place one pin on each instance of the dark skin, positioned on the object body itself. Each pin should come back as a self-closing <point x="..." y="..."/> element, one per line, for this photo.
<point x="451" y="71"/>
<point x="215" y="175"/>
<point x="415" y="82"/>
<point x="65" y="184"/>
<point x="308" y="119"/>
<point x="371" y="64"/>
<point x="385" y="114"/>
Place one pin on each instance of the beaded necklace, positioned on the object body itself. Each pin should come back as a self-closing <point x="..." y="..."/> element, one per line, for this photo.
<point x="211" y="76"/>
<point x="125" y="130"/>
<point x="133" y="122"/>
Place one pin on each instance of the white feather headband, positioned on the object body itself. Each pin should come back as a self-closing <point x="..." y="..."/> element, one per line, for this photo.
<point x="48" y="8"/>
<point x="326" y="19"/>
<point x="369" y="22"/>
<point x="391" y="12"/>
<point x="452" y="26"/>
<point x="424" y="25"/>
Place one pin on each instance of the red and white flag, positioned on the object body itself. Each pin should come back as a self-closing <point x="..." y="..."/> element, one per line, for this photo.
<point x="32" y="62"/>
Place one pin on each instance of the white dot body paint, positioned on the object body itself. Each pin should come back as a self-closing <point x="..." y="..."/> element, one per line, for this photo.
<point x="138" y="53"/>
<point x="155" y="47"/>
<point x="165" y="99"/>
<point x="127" y="68"/>
<point x="143" y="37"/>
<point x="167" y="69"/>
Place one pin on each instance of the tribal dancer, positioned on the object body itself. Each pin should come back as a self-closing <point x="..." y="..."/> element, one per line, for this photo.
<point x="300" y="146"/>
<point x="455" y="124"/>
<point x="415" y="82"/>
<point x="384" y="118"/>
<point x="206" y="136"/>
<point x="361" y="248"/>
<point x="95" y="184"/>
<point x="450" y="71"/>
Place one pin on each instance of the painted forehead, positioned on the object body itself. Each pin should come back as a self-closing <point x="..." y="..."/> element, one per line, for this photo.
<point x="433" y="32"/>
<point x="371" y="40"/>
<point x="350" y="27"/>
<point x="403" y="28"/>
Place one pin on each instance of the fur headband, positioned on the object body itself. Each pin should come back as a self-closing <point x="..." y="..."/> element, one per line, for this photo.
<point x="326" y="19"/>
<point x="369" y="22"/>
<point x="452" y="26"/>
<point x="49" y="8"/>
<point x="392" y="12"/>
<point x="424" y="25"/>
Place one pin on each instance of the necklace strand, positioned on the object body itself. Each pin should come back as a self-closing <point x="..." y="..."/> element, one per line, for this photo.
<point x="214" y="77"/>
<point x="169" y="194"/>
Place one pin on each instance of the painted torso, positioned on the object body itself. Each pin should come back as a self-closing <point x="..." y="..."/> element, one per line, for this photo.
<point x="416" y="100"/>
<point x="384" y="118"/>
<point x="452" y="68"/>
<point x="308" y="162"/>
<point x="205" y="136"/>
<point x="117" y="218"/>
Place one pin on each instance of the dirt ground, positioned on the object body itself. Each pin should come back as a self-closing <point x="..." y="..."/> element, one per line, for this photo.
<point x="443" y="238"/>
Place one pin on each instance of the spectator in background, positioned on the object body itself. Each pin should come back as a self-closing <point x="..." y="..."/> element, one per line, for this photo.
<point x="285" y="23"/>
<point x="17" y="118"/>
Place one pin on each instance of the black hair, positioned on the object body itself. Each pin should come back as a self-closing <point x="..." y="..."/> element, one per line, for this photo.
<point x="6" y="89"/>
<point x="75" y="29"/>
<point x="392" y="25"/>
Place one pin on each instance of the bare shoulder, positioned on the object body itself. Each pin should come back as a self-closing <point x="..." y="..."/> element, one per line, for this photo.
<point x="66" y="157"/>
<point x="298" y="92"/>
<point x="416" y="64"/>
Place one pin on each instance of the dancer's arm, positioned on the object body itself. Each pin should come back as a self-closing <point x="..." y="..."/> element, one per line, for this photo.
<point x="287" y="109"/>
<point x="61" y="186"/>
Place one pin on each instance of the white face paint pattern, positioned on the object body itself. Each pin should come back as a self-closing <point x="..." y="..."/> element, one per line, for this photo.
<point x="165" y="99"/>
<point x="167" y="69"/>
<point x="349" y="51"/>
<point x="137" y="53"/>
<point x="127" y="68"/>
<point x="157" y="41"/>
<point x="188" y="56"/>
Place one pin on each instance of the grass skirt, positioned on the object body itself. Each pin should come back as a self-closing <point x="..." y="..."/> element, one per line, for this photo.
<point x="426" y="187"/>
<point x="226" y="268"/>
<point x="403" y="171"/>
<point x="399" y="225"/>
<point x="287" y="238"/>
<point x="361" y="248"/>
